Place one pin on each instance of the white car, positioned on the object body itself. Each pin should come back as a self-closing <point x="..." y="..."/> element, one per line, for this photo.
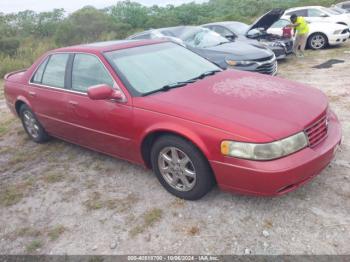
<point x="321" y="34"/>
<point x="319" y="14"/>
<point x="344" y="5"/>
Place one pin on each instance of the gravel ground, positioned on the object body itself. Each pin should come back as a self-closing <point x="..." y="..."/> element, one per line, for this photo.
<point x="59" y="198"/>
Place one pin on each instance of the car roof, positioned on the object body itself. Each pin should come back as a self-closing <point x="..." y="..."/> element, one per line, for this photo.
<point x="224" y="23"/>
<point x="149" y="31"/>
<point x="304" y="7"/>
<point x="100" y="47"/>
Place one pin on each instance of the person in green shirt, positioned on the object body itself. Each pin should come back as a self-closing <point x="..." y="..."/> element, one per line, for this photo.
<point x="301" y="29"/>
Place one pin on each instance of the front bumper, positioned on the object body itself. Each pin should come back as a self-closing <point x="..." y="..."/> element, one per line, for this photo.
<point x="277" y="177"/>
<point x="338" y="39"/>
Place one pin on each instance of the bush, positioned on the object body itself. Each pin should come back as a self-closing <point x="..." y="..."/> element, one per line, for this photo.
<point x="9" y="46"/>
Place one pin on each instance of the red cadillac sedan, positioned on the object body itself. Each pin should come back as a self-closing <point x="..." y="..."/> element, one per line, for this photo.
<point x="158" y="104"/>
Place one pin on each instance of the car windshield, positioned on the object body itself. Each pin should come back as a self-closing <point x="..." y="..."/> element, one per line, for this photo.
<point x="204" y="38"/>
<point x="148" y="68"/>
<point x="238" y="28"/>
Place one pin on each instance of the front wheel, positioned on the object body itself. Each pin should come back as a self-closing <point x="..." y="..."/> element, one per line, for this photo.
<point x="32" y="126"/>
<point x="181" y="168"/>
<point x="317" y="41"/>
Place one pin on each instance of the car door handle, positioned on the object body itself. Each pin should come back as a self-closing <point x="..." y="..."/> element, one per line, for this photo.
<point x="72" y="103"/>
<point x="32" y="94"/>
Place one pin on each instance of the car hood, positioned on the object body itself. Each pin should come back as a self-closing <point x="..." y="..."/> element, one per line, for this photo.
<point x="251" y="107"/>
<point x="240" y="50"/>
<point x="267" y="20"/>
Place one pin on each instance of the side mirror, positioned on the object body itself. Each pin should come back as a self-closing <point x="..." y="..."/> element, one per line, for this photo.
<point x="230" y="36"/>
<point x="103" y="91"/>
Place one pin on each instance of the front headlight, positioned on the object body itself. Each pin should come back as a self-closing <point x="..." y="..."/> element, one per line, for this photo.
<point x="239" y="63"/>
<point x="337" y="32"/>
<point x="266" y="151"/>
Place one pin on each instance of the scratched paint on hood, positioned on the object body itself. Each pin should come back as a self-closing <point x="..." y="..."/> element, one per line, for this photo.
<point x="246" y="87"/>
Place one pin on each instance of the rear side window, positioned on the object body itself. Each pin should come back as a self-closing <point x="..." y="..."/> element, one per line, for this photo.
<point x="88" y="71"/>
<point x="54" y="73"/>
<point x="38" y="77"/>
<point x="302" y="12"/>
<point x="315" y="13"/>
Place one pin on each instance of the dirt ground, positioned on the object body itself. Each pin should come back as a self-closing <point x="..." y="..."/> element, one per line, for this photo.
<point x="59" y="198"/>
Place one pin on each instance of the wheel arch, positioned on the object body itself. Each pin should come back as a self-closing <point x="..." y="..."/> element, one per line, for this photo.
<point x="19" y="102"/>
<point x="152" y="135"/>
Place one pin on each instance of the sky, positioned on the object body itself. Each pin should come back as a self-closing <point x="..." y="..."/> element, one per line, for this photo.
<point x="9" y="6"/>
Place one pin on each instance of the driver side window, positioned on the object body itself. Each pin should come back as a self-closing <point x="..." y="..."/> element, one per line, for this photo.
<point x="221" y="30"/>
<point x="88" y="71"/>
<point x="315" y="13"/>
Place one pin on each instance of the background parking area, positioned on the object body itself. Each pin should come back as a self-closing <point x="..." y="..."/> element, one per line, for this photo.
<point x="59" y="198"/>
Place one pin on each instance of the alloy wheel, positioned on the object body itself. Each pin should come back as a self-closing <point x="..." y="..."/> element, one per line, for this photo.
<point x="177" y="168"/>
<point x="31" y="124"/>
<point x="318" y="41"/>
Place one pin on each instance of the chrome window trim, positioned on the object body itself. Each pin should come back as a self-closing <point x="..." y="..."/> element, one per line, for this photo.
<point x="115" y="85"/>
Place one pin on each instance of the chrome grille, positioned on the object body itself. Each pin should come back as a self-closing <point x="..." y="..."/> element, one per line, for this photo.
<point x="317" y="131"/>
<point x="268" y="68"/>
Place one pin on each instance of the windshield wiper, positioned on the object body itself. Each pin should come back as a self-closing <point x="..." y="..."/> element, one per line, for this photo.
<point x="208" y="73"/>
<point x="169" y="86"/>
<point x="182" y="83"/>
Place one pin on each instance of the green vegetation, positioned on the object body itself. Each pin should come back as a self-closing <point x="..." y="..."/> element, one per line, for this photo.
<point x="24" y="36"/>
<point x="10" y="196"/>
<point x="149" y="219"/>
<point x="56" y="232"/>
<point x="33" y="246"/>
<point x="53" y="177"/>
<point x="97" y="201"/>
<point x="28" y="232"/>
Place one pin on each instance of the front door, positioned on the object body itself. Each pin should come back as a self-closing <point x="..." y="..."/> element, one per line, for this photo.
<point x="103" y="125"/>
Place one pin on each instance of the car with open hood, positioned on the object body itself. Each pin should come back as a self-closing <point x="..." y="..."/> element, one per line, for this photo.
<point x="321" y="34"/>
<point x="233" y="31"/>
<point x="240" y="55"/>
<point x="158" y="104"/>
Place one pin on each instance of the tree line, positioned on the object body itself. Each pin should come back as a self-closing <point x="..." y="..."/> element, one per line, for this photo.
<point x="27" y="34"/>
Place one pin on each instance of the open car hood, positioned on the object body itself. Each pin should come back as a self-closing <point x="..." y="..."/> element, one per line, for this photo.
<point x="267" y="20"/>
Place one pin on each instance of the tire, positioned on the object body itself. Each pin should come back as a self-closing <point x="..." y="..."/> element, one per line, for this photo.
<point x="199" y="177"/>
<point x="32" y="126"/>
<point x="317" y="41"/>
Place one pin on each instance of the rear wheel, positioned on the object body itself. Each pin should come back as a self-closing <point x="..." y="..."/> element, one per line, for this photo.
<point x="317" y="41"/>
<point x="181" y="168"/>
<point x="32" y="126"/>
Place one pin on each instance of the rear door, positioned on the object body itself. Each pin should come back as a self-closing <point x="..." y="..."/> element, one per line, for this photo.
<point x="103" y="125"/>
<point x="316" y="15"/>
<point x="48" y="92"/>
